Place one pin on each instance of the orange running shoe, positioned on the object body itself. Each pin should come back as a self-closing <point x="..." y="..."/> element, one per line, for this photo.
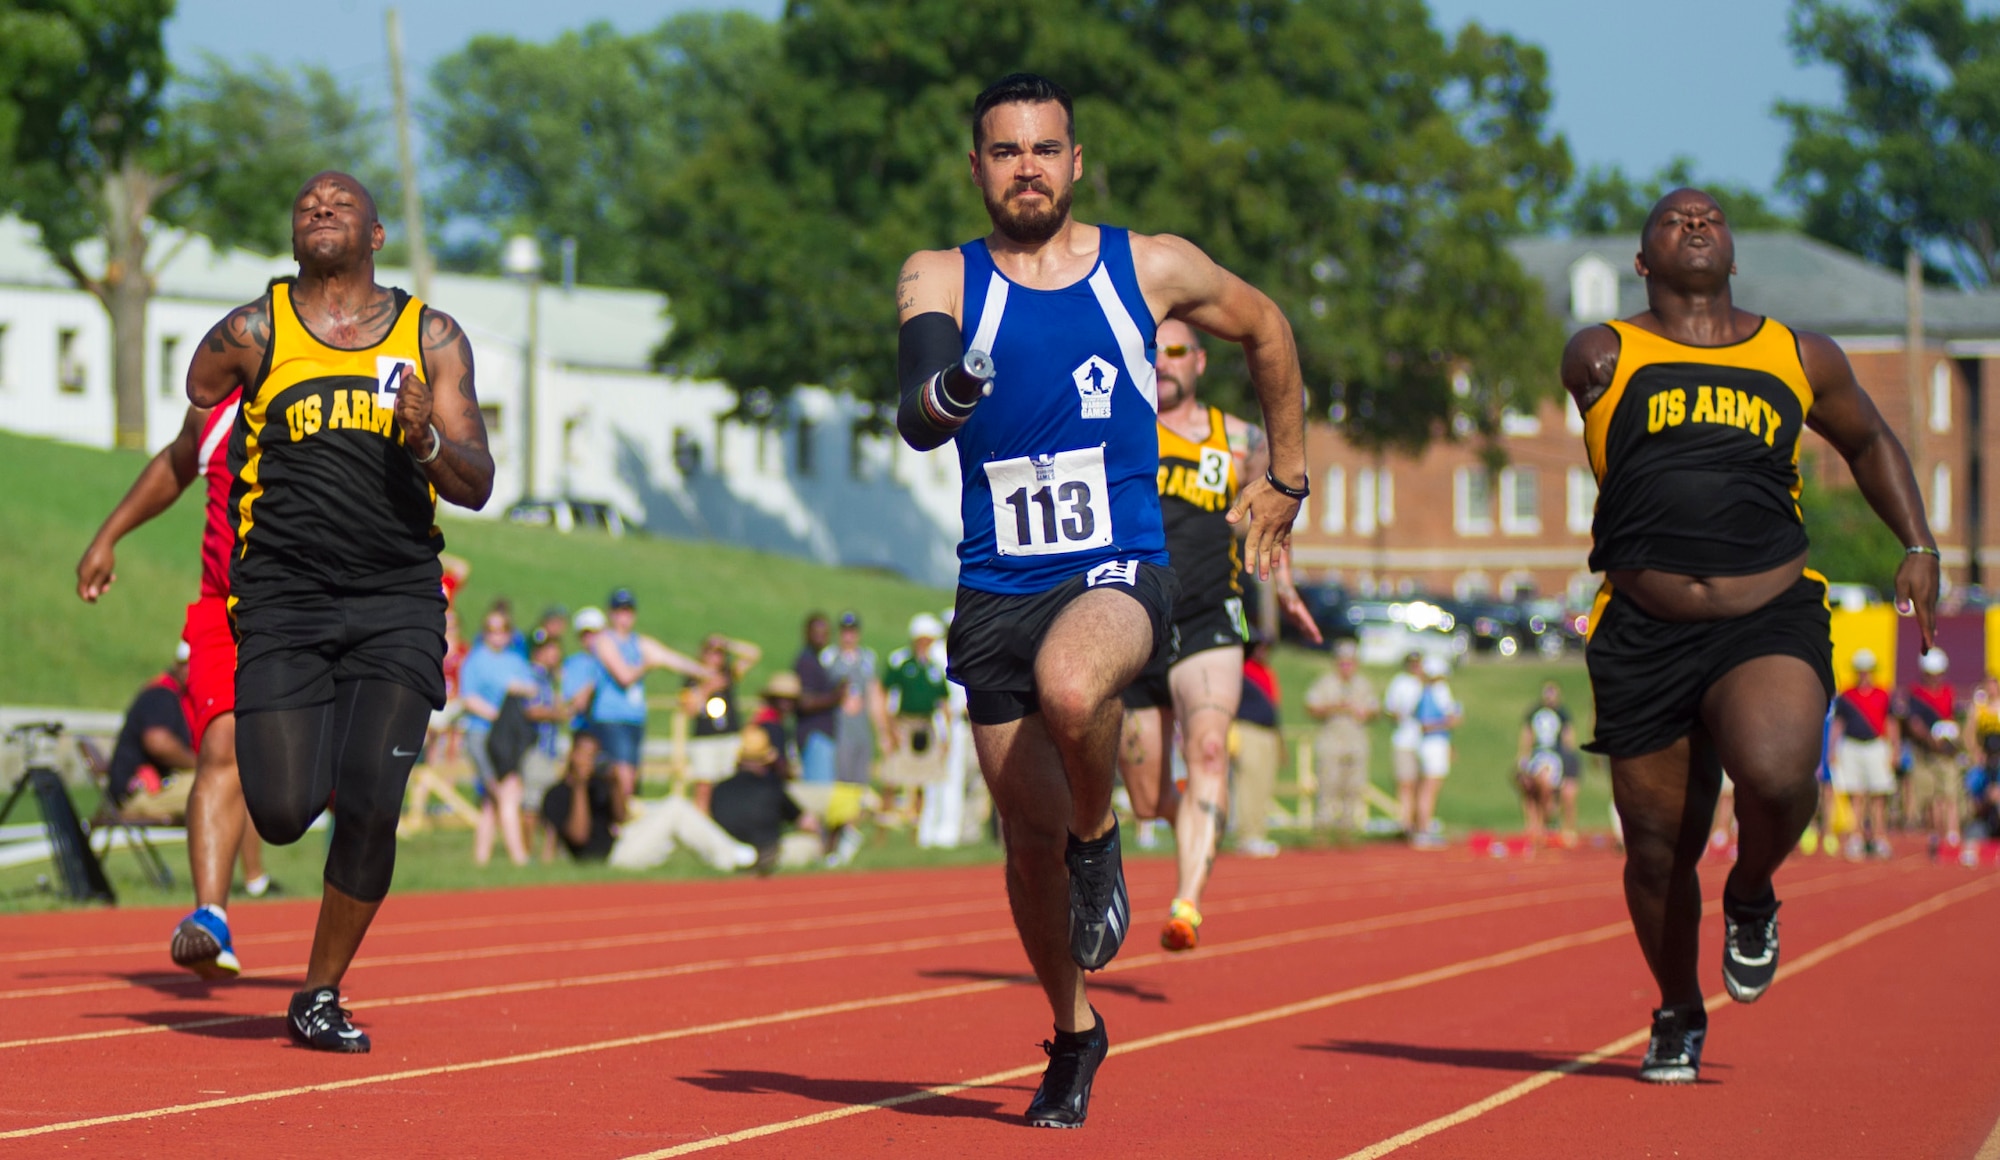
<point x="1183" y="929"/>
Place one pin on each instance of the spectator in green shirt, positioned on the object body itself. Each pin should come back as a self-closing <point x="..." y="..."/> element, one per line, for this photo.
<point x="918" y="699"/>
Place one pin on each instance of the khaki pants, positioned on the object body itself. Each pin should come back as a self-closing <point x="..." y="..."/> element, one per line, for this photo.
<point x="169" y="805"/>
<point x="1258" y="753"/>
<point x="1340" y="762"/>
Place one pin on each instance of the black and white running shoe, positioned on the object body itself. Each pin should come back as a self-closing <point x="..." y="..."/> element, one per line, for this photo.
<point x="1749" y="949"/>
<point x="1099" y="911"/>
<point x="318" y="1021"/>
<point x="1674" y="1055"/>
<point x="1063" y="1100"/>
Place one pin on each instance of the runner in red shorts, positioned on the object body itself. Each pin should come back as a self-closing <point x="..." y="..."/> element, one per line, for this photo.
<point x="216" y="816"/>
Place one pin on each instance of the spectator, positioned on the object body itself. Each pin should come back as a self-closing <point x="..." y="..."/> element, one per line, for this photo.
<point x="554" y="622"/>
<point x="944" y="821"/>
<point x="1931" y="729"/>
<point x="781" y="702"/>
<point x="917" y="704"/>
<point x="618" y="712"/>
<point x="658" y="825"/>
<point x="548" y="713"/>
<point x="576" y="686"/>
<point x="1863" y="743"/>
<point x="861" y="716"/>
<point x="1343" y="702"/>
<point x="578" y="810"/>
<point x="818" y="706"/>
<point x="1982" y="781"/>
<point x="715" y="719"/>
<point x="1399" y="702"/>
<point x="492" y="672"/>
<point x="1436" y="713"/>
<point x="1259" y="749"/>
<point x="152" y="764"/>
<point x="751" y="804"/>
<point x="1549" y="764"/>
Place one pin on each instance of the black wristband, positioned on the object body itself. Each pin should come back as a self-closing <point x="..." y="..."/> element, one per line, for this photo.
<point x="1297" y="493"/>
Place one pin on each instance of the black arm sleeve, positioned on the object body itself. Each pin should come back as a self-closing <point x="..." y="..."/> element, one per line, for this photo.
<point x="925" y="345"/>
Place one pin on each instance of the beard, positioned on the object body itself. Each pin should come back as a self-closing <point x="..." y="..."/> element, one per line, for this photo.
<point x="1028" y="226"/>
<point x="1172" y="391"/>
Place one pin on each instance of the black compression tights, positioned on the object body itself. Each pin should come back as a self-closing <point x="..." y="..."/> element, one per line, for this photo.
<point x="356" y="750"/>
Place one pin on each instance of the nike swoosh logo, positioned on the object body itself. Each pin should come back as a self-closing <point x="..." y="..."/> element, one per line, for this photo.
<point x="402" y="752"/>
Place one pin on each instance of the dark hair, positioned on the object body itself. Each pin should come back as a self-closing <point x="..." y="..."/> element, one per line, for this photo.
<point x="1020" y="88"/>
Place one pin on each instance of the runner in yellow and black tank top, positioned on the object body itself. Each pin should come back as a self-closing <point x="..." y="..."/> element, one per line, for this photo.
<point x="1696" y="451"/>
<point x="325" y="496"/>
<point x="1198" y="483"/>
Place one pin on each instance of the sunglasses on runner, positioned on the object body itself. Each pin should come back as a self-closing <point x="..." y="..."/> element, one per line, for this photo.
<point x="1177" y="350"/>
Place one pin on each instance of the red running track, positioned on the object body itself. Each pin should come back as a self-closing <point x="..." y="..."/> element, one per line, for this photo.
<point x="1344" y="1004"/>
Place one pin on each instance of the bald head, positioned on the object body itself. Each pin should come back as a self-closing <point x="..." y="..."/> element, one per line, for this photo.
<point x="1686" y="199"/>
<point x="1687" y="244"/>
<point x="334" y="178"/>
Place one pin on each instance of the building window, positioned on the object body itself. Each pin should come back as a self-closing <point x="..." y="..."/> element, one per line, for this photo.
<point x="1520" y="501"/>
<point x="687" y="453"/>
<point x="1333" y="516"/>
<point x="806" y="463"/>
<point x="1517" y="585"/>
<point x="489" y="413"/>
<point x="1385" y="497"/>
<point x="1941" y="397"/>
<point x="1941" y="497"/>
<point x="1572" y="416"/>
<point x="1582" y="501"/>
<point x="1519" y="424"/>
<point x="170" y="350"/>
<point x="1364" y="502"/>
<point x="1474" y="585"/>
<point x="1472" y="506"/>
<point x="1593" y="289"/>
<point x="69" y="363"/>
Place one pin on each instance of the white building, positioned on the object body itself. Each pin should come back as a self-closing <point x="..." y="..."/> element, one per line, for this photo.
<point x="607" y="426"/>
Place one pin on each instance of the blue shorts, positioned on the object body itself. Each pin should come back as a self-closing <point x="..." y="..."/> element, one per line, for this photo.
<point x="621" y="741"/>
<point x="816" y="758"/>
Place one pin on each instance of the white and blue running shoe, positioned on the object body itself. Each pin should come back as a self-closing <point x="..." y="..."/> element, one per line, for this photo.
<point x="201" y="944"/>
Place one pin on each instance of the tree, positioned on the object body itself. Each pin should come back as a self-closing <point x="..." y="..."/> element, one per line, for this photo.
<point x="1911" y="156"/>
<point x="567" y="138"/>
<point x="103" y="154"/>
<point x="1345" y="158"/>
<point x="1607" y="201"/>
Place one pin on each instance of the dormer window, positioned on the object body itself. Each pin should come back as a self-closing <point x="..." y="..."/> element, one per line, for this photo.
<point x="1593" y="289"/>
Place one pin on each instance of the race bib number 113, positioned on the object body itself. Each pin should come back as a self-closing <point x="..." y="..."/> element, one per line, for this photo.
<point x="1045" y="505"/>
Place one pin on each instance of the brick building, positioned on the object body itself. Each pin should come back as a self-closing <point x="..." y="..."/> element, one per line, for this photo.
<point x="1443" y="523"/>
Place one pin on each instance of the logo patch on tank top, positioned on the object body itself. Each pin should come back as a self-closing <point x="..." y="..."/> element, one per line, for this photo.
<point x="1094" y="380"/>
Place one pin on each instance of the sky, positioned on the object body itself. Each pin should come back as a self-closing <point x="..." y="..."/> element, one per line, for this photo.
<point x="1636" y="83"/>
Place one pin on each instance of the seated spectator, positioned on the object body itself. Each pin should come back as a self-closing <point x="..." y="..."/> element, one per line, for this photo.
<point x="578" y="812"/>
<point x="781" y="705"/>
<point x="152" y="765"/>
<point x="751" y="804"/>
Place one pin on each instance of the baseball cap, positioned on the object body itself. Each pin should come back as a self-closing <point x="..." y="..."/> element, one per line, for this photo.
<point x="555" y="610"/>
<point x="924" y="624"/>
<point x="1934" y="662"/>
<point x="784" y="684"/>
<point x="1864" y="661"/>
<point x="621" y="598"/>
<point x="589" y="619"/>
<point x="1436" y="666"/>
<point x="850" y="620"/>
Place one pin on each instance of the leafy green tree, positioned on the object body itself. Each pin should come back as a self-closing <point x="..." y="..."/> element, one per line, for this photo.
<point x="1849" y="541"/>
<point x="1346" y="158"/>
<point x="1608" y="201"/>
<point x="1911" y="155"/>
<point x="568" y="138"/>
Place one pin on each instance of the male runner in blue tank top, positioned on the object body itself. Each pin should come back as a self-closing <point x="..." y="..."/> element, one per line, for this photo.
<point x="1064" y="590"/>
<point x="1710" y="643"/>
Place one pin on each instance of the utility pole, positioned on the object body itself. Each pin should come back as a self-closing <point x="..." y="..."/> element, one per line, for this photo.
<point x="1913" y="367"/>
<point x="522" y="260"/>
<point x="406" y="163"/>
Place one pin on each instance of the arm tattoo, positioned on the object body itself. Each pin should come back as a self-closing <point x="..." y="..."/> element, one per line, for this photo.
<point x="905" y="297"/>
<point x="441" y="331"/>
<point x="247" y="327"/>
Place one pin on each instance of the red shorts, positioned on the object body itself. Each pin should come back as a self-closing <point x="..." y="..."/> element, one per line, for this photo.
<point x="211" y="663"/>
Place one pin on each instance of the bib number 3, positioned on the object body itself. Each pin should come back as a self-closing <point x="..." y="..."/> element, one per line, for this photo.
<point x="1045" y="505"/>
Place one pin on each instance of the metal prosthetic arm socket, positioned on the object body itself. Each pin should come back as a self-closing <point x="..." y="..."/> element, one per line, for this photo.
<point x="940" y="386"/>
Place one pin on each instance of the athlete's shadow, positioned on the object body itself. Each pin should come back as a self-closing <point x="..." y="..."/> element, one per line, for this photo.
<point x="854" y="1092"/>
<point x="1488" y="1059"/>
<point x="1139" y="991"/>
<point x="219" y="1026"/>
<point x="191" y="987"/>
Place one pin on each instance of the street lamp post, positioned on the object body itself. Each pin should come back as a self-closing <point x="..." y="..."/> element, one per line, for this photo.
<point x="523" y="259"/>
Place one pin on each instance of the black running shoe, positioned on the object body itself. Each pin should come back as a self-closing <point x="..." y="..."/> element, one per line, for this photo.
<point x="1674" y="1055"/>
<point x="1063" y="1100"/>
<point x="1099" y="911"/>
<point x="319" y="1021"/>
<point x="1749" y="949"/>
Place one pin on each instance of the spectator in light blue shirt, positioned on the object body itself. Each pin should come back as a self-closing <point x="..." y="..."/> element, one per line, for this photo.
<point x="618" y="712"/>
<point x="492" y="671"/>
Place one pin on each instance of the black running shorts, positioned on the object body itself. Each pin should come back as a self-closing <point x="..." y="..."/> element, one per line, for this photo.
<point x="1649" y="675"/>
<point x="292" y="648"/>
<point x="995" y="635"/>
<point x="1218" y="626"/>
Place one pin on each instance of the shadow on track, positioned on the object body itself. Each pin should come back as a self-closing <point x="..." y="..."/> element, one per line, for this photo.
<point x="223" y="1027"/>
<point x="848" y="1092"/>
<point x="1487" y="1059"/>
<point x="187" y="986"/>
<point x="1134" y="990"/>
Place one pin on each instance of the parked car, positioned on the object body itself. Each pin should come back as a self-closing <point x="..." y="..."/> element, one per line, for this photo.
<point x="567" y="515"/>
<point x="1389" y="630"/>
<point x="1328" y="605"/>
<point x="1513" y="629"/>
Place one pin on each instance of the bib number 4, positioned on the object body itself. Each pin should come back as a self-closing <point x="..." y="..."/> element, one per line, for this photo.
<point x="1049" y="504"/>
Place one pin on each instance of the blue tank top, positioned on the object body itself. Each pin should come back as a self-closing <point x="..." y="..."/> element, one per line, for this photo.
<point x="621" y="704"/>
<point x="1060" y="462"/>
